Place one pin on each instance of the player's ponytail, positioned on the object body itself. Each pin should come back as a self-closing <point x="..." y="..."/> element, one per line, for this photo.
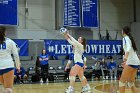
<point x="2" y="34"/>
<point x="127" y="31"/>
<point x="84" y="42"/>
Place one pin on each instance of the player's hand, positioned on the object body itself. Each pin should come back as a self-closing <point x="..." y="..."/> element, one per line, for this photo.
<point x="18" y="69"/>
<point x="124" y="59"/>
<point x="66" y="68"/>
<point x="123" y="64"/>
<point x="84" y="67"/>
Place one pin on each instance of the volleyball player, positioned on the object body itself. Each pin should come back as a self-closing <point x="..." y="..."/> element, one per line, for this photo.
<point x="77" y="69"/>
<point x="131" y="62"/>
<point x="7" y="47"/>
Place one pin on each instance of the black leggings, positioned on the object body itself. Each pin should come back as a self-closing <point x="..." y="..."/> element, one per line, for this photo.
<point x="44" y="71"/>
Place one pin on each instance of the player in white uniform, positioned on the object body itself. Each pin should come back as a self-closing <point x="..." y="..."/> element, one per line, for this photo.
<point x="131" y="62"/>
<point x="7" y="47"/>
<point x="77" y="69"/>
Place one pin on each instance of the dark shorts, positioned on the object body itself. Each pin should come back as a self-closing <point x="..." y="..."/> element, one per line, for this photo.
<point x="134" y="66"/>
<point x="80" y="64"/>
<point x="3" y="71"/>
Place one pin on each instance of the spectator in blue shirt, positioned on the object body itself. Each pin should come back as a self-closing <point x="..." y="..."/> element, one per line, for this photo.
<point x="20" y="76"/>
<point x="112" y="66"/>
<point x="43" y="58"/>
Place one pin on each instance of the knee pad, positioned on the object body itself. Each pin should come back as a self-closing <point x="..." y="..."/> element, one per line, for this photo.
<point x="82" y="79"/>
<point x="121" y="84"/>
<point x="130" y="84"/>
<point x="8" y="90"/>
<point x="72" y="78"/>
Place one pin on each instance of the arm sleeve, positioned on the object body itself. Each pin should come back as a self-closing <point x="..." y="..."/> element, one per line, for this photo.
<point x="15" y="54"/>
<point x="74" y="42"/>
<point x="128" y="44"/>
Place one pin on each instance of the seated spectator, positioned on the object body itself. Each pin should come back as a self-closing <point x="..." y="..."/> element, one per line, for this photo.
<point x="97" y="70"/>
<point x="112" y="66"/>
<point x="103" y="66"/>
<point x="19" y="76"/>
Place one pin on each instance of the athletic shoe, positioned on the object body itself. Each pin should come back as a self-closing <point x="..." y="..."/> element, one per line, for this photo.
<point x="70" y="89"/>
<point x="86" y="89"/>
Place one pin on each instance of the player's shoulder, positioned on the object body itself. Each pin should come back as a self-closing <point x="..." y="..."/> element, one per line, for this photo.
<point x="126" y="38"/>
<point x="10" y="41"/>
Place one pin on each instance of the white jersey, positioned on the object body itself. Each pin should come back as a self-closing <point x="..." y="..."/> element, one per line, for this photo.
<point x="78" y="50"/>
<point x="6" y="49"/>
<point x="132" y="57"/>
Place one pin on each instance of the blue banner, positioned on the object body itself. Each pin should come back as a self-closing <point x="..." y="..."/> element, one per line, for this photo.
<point x="8" y="12"/>
<point x="23" y="46"/>
<point x="72" y="13"/>
<point x="89" y="13"/>
<point x="94" y="47"/>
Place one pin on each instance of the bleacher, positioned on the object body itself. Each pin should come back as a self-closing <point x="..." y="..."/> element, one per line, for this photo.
<point x="56" y="67"/>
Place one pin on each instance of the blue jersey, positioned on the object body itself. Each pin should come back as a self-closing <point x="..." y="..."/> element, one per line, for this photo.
<point x="112" y="65"/>
<point x="43" y="62"/>
<point x="22" y="72"/>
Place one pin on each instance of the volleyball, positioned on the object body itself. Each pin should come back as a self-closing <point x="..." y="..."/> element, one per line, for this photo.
<point x="63" y="30"/>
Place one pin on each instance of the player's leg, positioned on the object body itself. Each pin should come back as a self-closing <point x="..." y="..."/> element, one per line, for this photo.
<point x="8" y="81"/>
<point x="125" y="78"/>
<point x="82" y="77"/>
<point x="131" y="82"/>
<point x="85" y="85"/>
<point x="1" y="82"/>
<point x="74" y="71"/>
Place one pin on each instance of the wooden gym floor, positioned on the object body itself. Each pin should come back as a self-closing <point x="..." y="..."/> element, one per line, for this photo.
<point x="97" y="87"/>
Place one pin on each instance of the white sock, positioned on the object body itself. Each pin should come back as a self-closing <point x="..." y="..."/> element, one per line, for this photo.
<point x="8" y="90"/>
